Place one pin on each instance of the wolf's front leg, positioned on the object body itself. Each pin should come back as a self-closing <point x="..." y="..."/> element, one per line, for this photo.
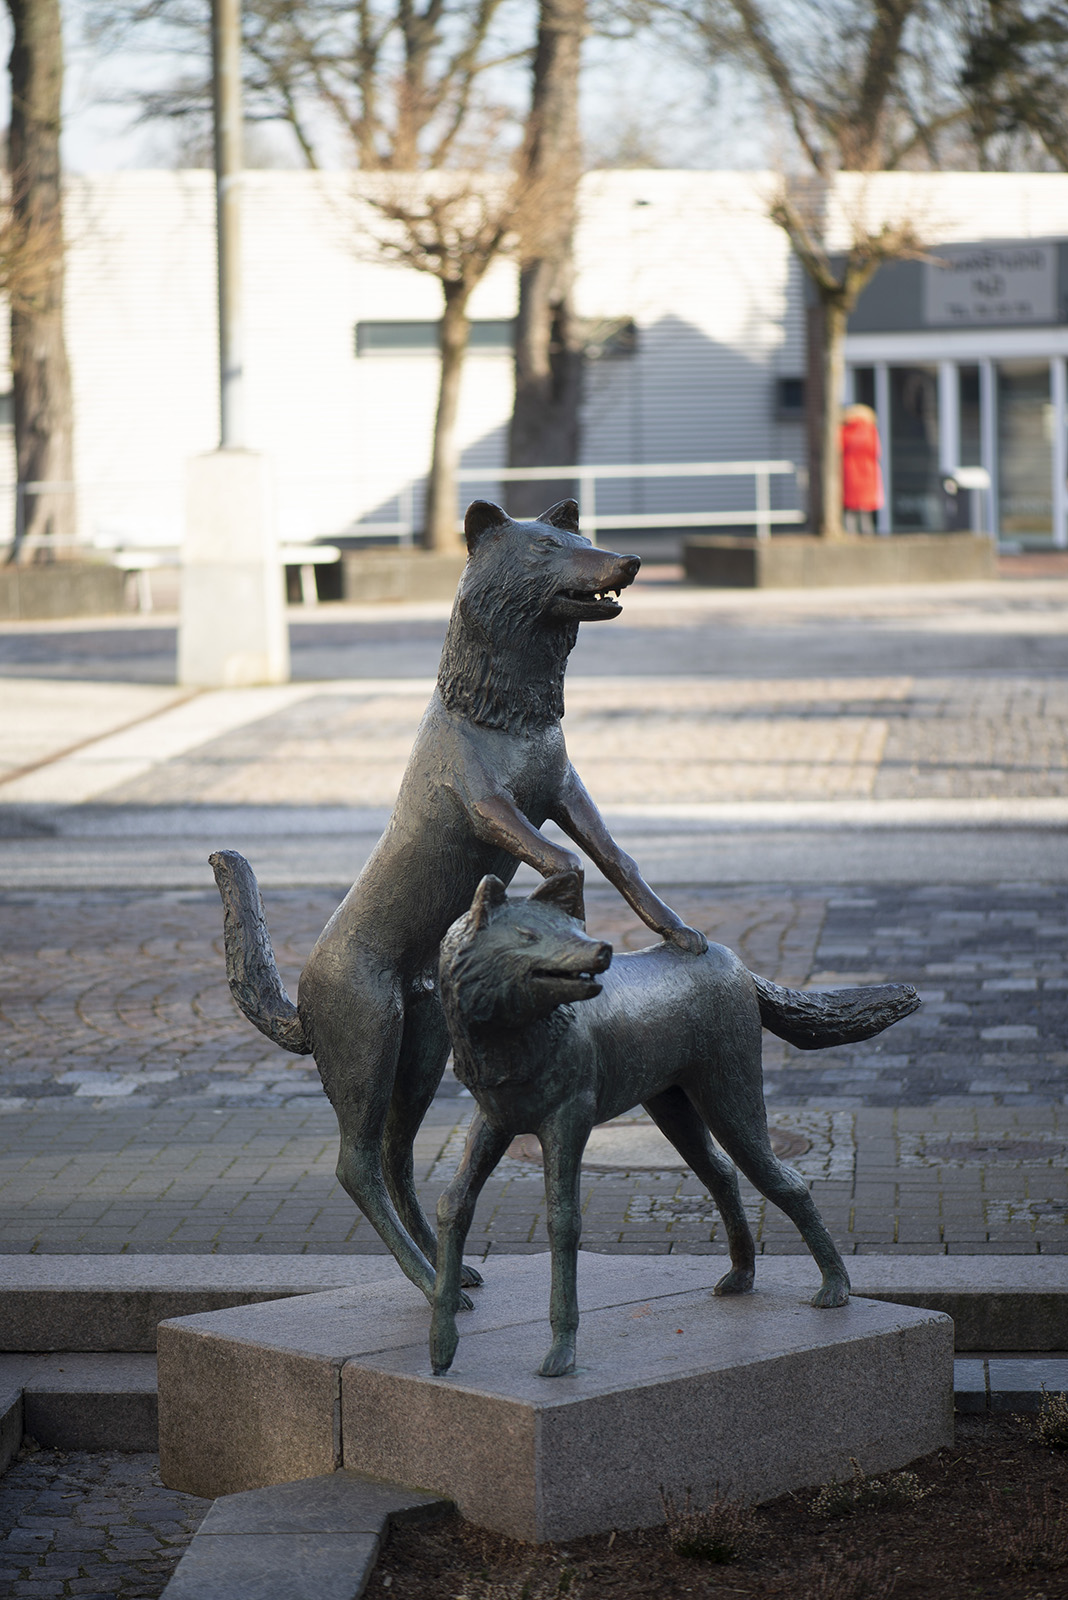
<point x="563" y="1140"/>
<point x="484" y="1148"/>
<point x="581" y="821"/>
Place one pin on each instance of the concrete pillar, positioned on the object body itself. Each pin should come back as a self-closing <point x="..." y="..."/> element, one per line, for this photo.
<point x="232" y="625"/>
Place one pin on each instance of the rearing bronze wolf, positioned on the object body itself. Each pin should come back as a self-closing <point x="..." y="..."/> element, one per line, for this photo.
<point x="488" y="768"/>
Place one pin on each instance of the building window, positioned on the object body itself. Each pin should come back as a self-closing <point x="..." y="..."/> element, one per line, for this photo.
<point x="790" y="399"/>
<point x="491" y="336"/>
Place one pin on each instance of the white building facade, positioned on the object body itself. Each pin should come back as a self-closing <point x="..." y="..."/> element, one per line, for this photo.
<point x="694" y="309"/>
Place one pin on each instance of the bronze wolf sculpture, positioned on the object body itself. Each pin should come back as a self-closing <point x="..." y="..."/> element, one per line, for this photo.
<point x="552" y="1036"/>
<point x="488" y="767"/>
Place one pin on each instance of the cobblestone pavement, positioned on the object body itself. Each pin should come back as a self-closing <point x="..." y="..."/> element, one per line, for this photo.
<point x="100" y="1526"/>
<point x="123" y="996"/>
<point x="142" y="1113"/>
<point x="652" y="741"/>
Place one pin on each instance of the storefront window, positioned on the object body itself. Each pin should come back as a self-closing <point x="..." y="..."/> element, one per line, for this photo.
<point x="915" y="481"/>
<point x="1025" y="448"/>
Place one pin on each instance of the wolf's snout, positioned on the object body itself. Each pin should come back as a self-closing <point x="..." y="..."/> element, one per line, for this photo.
<point x="629" y="566"/>
<point x="602" y="957"/>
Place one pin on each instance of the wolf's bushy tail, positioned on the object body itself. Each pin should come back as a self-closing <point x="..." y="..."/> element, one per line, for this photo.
<point x="250" y="965"/>
<point x="814" y="1020"/>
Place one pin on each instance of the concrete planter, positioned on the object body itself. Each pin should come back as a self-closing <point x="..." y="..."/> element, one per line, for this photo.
<point x="369" y="575"/>
<point x="791" y="561"/>
<point x="65" y="589"/>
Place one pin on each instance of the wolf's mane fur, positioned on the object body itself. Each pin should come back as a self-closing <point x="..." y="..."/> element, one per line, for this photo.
<point x="504" y="659"/>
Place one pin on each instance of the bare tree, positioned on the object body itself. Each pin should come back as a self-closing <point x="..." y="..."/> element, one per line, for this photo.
<point x="31" y="270"/>
<point x="1014" y="77"/>
<point x="548" y="342"/>
<point x="453" y="225"/>
<point x="396" y="79"/>
<point x="857" y="86"/>
<point x="402" y="80"/>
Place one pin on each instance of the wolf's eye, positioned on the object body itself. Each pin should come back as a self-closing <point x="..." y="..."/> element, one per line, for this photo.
<point x="526" y="935"/>
<point x="547" y="542"/>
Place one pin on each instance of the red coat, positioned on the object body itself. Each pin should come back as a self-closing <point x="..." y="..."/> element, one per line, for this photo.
<point x="862" y="479"/>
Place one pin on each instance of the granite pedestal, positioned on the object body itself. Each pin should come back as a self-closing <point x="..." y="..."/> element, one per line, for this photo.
<point x="675" y="1389"/>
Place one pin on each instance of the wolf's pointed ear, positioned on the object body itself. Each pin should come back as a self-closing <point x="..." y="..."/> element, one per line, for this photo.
<point x="482" y="515"/>
<point x="564" y="514"/>
<point x="488" y="896"/>
<point x="563" y="889"/>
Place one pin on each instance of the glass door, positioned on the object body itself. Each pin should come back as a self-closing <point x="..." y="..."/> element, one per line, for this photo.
<point x="915" y="479"/>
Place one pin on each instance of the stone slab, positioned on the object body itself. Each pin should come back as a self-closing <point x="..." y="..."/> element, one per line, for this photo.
<point x="99" y="1302"/>
<point x="782" y="1395"/>
<point x="398" y="575"/>
<point x="802" y="561"/>
<point x="86" y="1402"/>
<point x="114" y="1303"/>
<point x="1020" y="1385"/>
<point x="11" y="1425"/>
<point x="61" y="589"/>
<point x="275" y="1566"/>
<point x="313" y="1540"/>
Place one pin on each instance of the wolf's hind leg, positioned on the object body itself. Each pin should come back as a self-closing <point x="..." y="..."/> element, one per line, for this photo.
<point x="676" y="1118"/>
<point x="423" y="1053"/>
<point x="357" y="1044"/>
<point x="743" y="1132"/>
<point x="484" y="1148"/>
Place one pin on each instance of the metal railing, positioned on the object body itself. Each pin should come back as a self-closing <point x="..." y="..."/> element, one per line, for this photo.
<point x="762" y="518"/>
<point x="148" y="515"/>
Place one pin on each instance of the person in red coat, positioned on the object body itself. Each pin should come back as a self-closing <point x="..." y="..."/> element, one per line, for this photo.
<point x="862" y="478"/>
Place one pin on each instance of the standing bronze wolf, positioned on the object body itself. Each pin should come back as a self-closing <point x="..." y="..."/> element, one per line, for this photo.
<point x="488" y="768"/>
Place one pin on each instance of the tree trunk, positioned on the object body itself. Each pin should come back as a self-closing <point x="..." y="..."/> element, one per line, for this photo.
<point x="442" y="529"/>
<point x="833" y="365"/>
<point x="814" y="404"/>
<point x="548" y="346"/>
<point x="41" y="374"/>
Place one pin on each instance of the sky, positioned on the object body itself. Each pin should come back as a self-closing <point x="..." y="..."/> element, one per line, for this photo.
<point x="638" y="96"/>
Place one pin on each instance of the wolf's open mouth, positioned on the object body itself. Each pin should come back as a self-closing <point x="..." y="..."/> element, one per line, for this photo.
<point x="555" y="974"/>
<point x="591" y="596"/>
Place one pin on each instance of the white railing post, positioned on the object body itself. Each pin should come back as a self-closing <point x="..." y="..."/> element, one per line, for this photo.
<point x="588" y="505"/>
<point x="763" y="504"/>
<point x="407" y="513"/>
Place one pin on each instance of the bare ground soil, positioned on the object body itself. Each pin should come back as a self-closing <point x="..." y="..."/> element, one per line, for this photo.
<point x="991" y="1519"/>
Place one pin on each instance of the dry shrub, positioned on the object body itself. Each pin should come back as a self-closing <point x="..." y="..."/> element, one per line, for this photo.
<point x="530" y="1584"/>
<point x="723" y="1531"/>
<point x="860" y="1493"/>
<point x="870" y="1578"/>
<point x="1040" y="1540"/>
<point x="1050" y="1427"/>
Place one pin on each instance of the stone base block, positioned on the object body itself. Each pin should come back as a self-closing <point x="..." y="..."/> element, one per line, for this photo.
<point x="61" y="589"/>
<point x="801" y="561"/>
<point x="675" y="1389"/>
<point x="372" y="575"/>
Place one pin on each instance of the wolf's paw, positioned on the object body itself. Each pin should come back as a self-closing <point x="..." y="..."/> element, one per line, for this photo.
<point x="833" y="1291"/>
<point x="560" y="1360"/>
<point x="465" y="1302"/>
<point x="444" y="1337"/>
<point x="690" y="940"/>
<point x="470" y="1277"/>
<point x="737" y="1281"/>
